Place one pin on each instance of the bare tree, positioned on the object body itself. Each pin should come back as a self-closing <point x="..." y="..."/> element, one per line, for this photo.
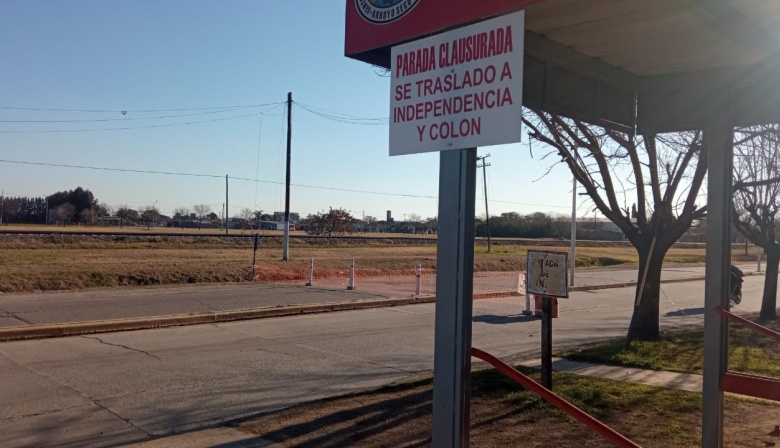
<point x="65" y="212"/>
<point x="87" y="216"/>
<point x="181" y="213"/>
<point x="369" y="222"/>
<point x="757" y="201"/>
<point x="201" y="211"/>
<point x="246" y="215"/>
<point x="415" y="219"/>
<point x="663" y="174"/>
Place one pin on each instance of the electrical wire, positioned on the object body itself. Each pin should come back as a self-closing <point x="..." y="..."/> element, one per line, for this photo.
<point x="346" y="119"/>
<point x="44" y="109"/>
<point x="51" y="131"/>
<point x="96" y="120"/>
<point x="101" y="168"/>
<point x="245" y="179"/>
<point x="330" y="112"/>
<point x="214" y="176"/>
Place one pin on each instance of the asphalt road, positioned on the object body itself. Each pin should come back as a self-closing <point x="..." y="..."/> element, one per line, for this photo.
<point x="83" y="306"/>
<point x="111" y="389"/>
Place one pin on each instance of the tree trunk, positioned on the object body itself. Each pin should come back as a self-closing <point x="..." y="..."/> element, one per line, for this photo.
<point x="769" y="301"/>
<point x="645" y="320"/>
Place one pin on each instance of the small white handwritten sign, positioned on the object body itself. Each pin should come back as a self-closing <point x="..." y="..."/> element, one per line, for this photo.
<point x="547" y="273"/>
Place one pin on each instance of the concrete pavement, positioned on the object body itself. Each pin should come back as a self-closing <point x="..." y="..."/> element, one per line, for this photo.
<point x="130" y="387"/>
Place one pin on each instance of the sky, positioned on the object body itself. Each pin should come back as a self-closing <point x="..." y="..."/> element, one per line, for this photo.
<point x="168" y="63"/>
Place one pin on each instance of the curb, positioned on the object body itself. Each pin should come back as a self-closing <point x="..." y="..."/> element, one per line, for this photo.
<point x="146" y="323"/>
<point x="631" y="284"/>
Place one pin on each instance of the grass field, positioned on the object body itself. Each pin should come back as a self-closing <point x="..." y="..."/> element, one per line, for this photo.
<point x="683" y="351"/>
<point x="61" y="261"/>
<point x="504" y="414"/>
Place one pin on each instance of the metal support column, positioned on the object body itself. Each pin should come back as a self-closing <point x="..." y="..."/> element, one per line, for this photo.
<point x="719" y="141"/>
<point x="454" y="291"/>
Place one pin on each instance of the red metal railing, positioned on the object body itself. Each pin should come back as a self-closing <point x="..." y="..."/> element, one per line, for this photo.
<point x="745" y="384"/>
<point x="555" y="400"/>
<point x="750" y="324"/>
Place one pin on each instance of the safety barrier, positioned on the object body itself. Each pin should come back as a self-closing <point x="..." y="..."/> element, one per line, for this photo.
<point x="555" y="400"/>
<point x="413" y="281"/>
<point x="743" y="383"/>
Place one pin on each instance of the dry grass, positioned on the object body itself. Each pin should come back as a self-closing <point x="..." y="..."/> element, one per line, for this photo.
<point x="504" y="414"/>
<point x="60" y="261"/>
<point x="142" y="230"/>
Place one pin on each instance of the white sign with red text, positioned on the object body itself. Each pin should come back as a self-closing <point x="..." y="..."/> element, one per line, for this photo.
<point x="459" y="89"/>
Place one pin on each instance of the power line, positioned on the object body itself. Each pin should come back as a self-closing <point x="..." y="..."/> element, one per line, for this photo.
<point x="98" y="168"/>
<point x="339" y="114"/>
<point x="346" y="119"/>
<point x="48" y="131"/>
<point x="44" y="109"/>
<point x="215" y="176"/>
<point x="245" y="179"/>
<point x="96" y="120"/>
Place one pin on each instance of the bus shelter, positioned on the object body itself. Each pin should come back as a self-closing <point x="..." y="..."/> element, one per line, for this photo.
<point x="636" y="66"/>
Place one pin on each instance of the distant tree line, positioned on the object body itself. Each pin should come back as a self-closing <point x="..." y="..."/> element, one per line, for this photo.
<point x="534" y="225"/>
<point x="72" y="206"/>
<point x="23" y="210"/>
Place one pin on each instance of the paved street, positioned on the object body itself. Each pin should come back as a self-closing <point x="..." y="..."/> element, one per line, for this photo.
<point x="109" y="389"/>
<point x="83" y="306"/>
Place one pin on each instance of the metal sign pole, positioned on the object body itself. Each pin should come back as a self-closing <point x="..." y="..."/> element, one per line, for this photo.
<point x="547" y="342"/>
<point x="454" y="295"/>
<point x="720" y="150"/>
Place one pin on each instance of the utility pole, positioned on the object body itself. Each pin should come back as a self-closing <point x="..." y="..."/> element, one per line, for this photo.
<point x="2" y="206"/>
<point x="484" y="181"/>
<point x="227" y="204"/>
<point x="286" y="250"/>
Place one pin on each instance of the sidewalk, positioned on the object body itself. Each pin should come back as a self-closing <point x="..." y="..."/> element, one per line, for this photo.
<point x="51" y="314"/>
<point x="669" y="380"/>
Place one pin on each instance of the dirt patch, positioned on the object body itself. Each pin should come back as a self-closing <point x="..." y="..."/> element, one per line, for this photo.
<point x="502" y="417"/>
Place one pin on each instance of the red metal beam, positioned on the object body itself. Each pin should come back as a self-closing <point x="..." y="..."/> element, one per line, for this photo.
<point x="555" y="400"/>
<point x="750" y="324"/>
<point x="751" y="385"/>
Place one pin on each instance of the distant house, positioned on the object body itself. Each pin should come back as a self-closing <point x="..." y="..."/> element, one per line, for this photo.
<point x="109" y="221"/>
<point x="164" y="221"/>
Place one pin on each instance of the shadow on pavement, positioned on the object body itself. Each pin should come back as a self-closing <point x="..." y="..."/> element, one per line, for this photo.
<point x="502" y="320"/>
<point x="685" y="312"/>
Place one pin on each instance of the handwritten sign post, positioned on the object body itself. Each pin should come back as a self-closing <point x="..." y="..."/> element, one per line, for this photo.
<point x="546" y="274"/>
